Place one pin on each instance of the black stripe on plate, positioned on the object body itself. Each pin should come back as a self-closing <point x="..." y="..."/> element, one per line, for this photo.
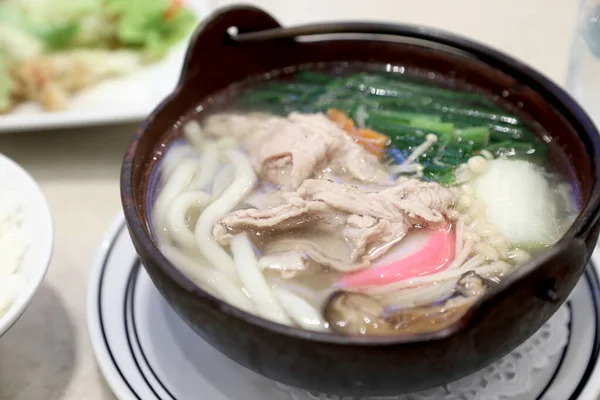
<point x="102" y="330"/>
<point x="132" y="332"/>
<point x="594" y="284"/>
<point x="128" y="312"/>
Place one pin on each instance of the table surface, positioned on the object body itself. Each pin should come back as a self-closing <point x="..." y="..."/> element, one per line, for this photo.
<point x="47" y="354"/>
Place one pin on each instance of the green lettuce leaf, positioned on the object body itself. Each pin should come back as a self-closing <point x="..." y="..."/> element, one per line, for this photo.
<point x="61" y="37"/>
<point x="143" y="24"/>
<point x="55" y="22"/>
<point x="149" y="26"/>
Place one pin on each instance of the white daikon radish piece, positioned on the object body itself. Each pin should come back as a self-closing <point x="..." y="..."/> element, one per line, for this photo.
<point x="519" y="202"/>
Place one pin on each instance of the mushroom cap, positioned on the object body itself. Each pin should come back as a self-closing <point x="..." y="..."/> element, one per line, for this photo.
<point x="353" y="313"/>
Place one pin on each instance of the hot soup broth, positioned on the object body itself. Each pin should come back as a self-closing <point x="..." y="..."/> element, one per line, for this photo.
<point x="355" y="200"/>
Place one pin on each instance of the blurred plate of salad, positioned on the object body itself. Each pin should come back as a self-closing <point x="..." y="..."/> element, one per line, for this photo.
<point x="81" y="62"/>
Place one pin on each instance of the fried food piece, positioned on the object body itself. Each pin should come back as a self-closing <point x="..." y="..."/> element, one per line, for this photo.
<point x="52" y="79"/>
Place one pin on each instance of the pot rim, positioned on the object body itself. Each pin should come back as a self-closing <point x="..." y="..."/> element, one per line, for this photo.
<point x="565" y="105"/>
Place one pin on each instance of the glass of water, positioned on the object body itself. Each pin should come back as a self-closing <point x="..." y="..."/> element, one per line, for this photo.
<point x="583" y="79"/>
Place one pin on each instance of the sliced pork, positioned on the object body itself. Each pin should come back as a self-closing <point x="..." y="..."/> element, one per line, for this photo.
<point x="286" y="151"/>
<point x="328" y="220"/>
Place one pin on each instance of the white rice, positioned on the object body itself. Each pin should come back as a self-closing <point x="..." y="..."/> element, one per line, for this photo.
<point x="13" y="245"/>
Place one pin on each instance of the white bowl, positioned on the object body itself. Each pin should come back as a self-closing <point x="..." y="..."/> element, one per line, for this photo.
<point x="38" y="231"/>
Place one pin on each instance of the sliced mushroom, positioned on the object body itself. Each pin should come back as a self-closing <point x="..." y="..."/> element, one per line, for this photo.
<point x="469" y="289"/>
<point x="358" y="314"/>
<point x="430" y="319"/>
<point x="471" y="284"/>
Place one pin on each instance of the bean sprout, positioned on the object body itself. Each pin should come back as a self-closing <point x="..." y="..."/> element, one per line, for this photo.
<point x="410" y="165"/>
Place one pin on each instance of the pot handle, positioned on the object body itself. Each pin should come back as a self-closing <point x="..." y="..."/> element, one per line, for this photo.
<point x="213" y="36"/>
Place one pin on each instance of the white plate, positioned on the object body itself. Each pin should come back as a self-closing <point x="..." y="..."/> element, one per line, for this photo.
<point x="146" y="351"/>
<point x="126" y="99"/>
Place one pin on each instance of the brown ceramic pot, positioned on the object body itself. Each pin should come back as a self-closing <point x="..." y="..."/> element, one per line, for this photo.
<point x="332" y="363"/>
